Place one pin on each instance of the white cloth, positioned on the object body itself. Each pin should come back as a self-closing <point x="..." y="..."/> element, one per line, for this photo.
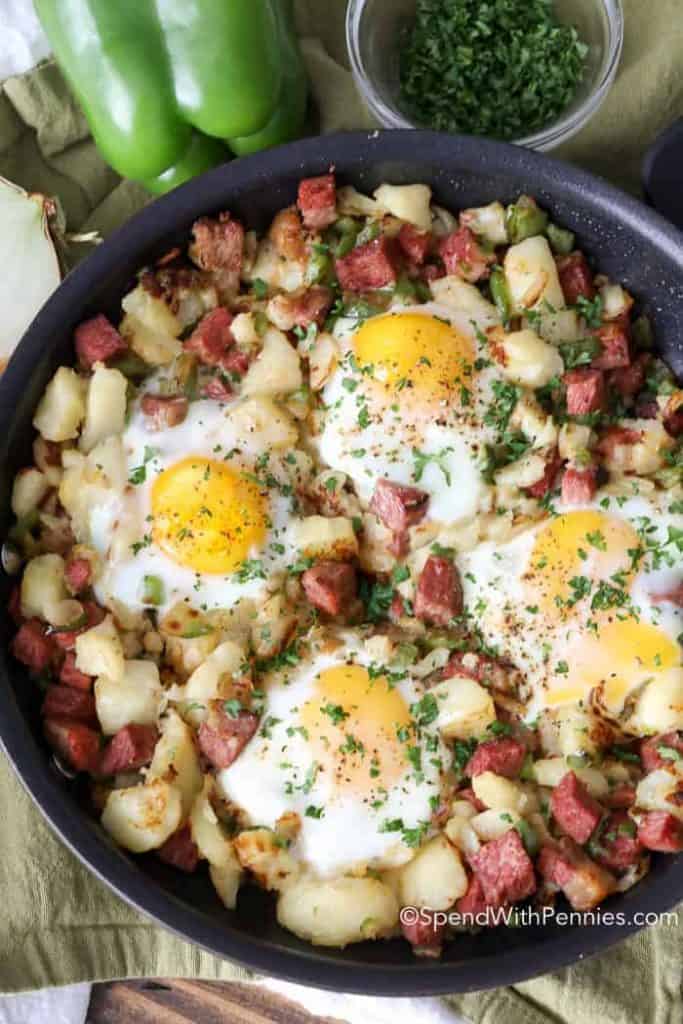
<point x="51" y="1006"/>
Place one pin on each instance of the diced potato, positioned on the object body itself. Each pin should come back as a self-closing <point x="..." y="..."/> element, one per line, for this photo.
<point x="407" y="202"/>
<point x="374" y="553"/>
<point x="243" y="330"/>
<point x="436" y="659"/>
<point x="465" y="708"/>
<point x="528" y="360"/>
<point x="655" y="791"/>
<point x="645" y="456"/>
<point x="336" y="913"/>
<point x="277" y="370"/>
<point x="152" y="311"/>
<point x="549" y="771"/>
<point x="534" y="422"/>
<point x="463" y="809"/>
<point x="497" y="792"/>
<point x="319" y="537"/>
<point x="594" y="781"/>
<point x="99" y="652"/>
<point x="531" y="275"/>
<point x="459" y="831"/>
<point x="154" y="347"/>
<point x="261" y="416"/>
<point x="133" y="699"/>
<point x="575" y="441"/>
<point x="576" y="731"/>
<point x="434" y="878"/>
<point x="351" y="203"/>
<point x="263" y="853"/>
<point x="523" y="472"/>
<point x="42" y="586"/>
<point x="208" y="833"/>
<point x="558" y="325"/>
<point x="61" y="410"/>
<point x="488" y="222"/>
<point x="29" y="489"/>
<point x="287" y="274"/>
<point x="660" y="705"/>
<point x="105" y="407"/>
<point x="443" y="221"/>
<point x="322" y="360"/>
<point x="615" y="301"/>
<point x="212" y="680"/>
<point x="63" y="614"/>
<point x="465" y="298"/>
<point x="143" y="817"/>
<point x="274" y="623"/>
<point x="492" y="824"/>
<point x="176" y="760"/>
<point x="106" y="465"/>
<point x="226" y="881"/>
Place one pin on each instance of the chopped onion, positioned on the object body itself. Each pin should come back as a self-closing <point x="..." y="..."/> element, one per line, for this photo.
<point x="29" y="259"/>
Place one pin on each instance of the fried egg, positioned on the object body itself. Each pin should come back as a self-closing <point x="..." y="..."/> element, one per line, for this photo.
<point x="578" y="601"/>
<point x="203" y="518"/>
<point x="407" y="402"/>
<point x="346" y="744"/>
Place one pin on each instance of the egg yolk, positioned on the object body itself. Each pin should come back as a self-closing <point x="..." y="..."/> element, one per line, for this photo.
<point x="353" y="723"/>
<point x="408" y="350"/>
<point x="207" y="516"/>
<point x="575" y="547"/>
<point x="623" y="655"/>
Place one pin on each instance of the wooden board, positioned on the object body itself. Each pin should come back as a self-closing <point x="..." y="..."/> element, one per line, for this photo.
<point x="192" y="1002"/>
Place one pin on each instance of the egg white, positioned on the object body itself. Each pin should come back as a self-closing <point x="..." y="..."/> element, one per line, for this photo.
<point x="276" y="774"/>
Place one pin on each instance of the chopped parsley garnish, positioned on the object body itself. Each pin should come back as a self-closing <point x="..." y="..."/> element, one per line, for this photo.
<point x="232" y="707"/>
<point x="590" y="310"/>
<point x="376" y="597"/>
<point x="252" y="569"/>
<point x="314" y="812"/>
<point x="139" y="473"/>
<point x="426" y="710"/>
<point x="422" y="460"/>
<point x="335" y="712"/>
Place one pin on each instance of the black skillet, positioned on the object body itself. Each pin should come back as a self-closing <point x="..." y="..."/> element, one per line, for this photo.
<point x="625" y="240"/>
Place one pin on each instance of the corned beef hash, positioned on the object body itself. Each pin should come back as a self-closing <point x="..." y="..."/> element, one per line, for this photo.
<point x="351" y="564"/>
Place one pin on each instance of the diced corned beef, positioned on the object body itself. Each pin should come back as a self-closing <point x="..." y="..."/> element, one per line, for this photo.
<point x="579" y="486"/>
<point x="373" y="265"/>
<point x="617" y="845"/>
<point x="650" y="754"/>
<point x="629" y="380"/>
<point x="222" y="738"/>
<point x="212" y="338"/>
<point x="583" y="882"/>
<point x="300" y="309"/>
<point x="317" y="201"/>
<point x="646" y="407"/>
<point x="236" y="363"/>
<point x="474" y="901"/>
<point x="32" y="646"/>
<point x="425" y="935"/>
<point x="286" y="234"/>
<point x="621" y="797"/>
<point x="218" y="388"/>
<point x="504" y="869"/>
<point x="673" y="596"/>
<point x="180" y="851"/>
<point x="574" y="809"/>
<point x="485" y="669"/>
<point x="77" y="744"/>
<point x="616" y="437"/>
<point x="164" y="411"/>
<point x="585" y="391"/>
<point x="432" y="272"/>
<point x="77" y="574"/>
<point x="66" y="638"/>
<point x="218" y="244"/>
<point x="130" y="748"/>
<point x="330" y="586"/>
<point x="673" y="415"/>
<point x="545" y="484"/>
<point x="438" y="597"/>
<point x="661" y="831"/>
<point x="397" y="608"/>
<point x="504" y="757"/>
<point x="467" y="793"/>
<point x="97" y="340"/>
<point x="463" y="255"/>
<point x="398" y="507"/>
<point x="68" y="702"/>
<point x="414" y="243"/>
<point x="616" y="353"/>
<point x="69" y="675"/>
<point x="575" y="277"/>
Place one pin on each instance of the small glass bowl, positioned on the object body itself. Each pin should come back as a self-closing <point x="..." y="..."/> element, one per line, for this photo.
<point x="373" y="34"/>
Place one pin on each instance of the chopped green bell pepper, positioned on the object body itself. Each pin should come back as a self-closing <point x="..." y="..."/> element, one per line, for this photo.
<point x="161" y="81"/>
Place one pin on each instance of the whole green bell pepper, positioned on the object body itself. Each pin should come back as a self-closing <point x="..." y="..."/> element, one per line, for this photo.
<point x="161" y="81"/>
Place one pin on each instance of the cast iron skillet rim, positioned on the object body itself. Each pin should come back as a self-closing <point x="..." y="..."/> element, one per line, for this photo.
<point x="148" y="227"/>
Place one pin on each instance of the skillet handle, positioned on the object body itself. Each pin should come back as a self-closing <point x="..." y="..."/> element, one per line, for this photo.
<point x="662" y="173"/>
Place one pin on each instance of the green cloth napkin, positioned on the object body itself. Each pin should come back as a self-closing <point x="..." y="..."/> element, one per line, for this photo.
<point x="60" y="925"/>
